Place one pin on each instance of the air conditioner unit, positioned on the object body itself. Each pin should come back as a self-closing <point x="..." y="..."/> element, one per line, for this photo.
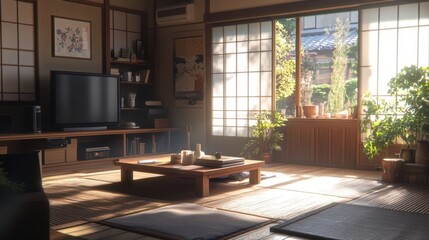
<point x="175" y="15"/>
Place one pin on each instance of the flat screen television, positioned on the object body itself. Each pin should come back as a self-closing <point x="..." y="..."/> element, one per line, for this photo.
<point x="84" y="101"/>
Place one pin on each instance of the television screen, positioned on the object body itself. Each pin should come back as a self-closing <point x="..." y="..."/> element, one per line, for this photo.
<point x="84" y="100"/>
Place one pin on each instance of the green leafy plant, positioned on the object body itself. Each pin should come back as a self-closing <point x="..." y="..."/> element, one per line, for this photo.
<point x="266" y="134"/>
<point x="404" y="117"/>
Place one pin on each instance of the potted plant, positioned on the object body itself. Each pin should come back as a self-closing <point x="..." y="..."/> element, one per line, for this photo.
<point x="403" y="118"/>
<point x="266" y="136"/>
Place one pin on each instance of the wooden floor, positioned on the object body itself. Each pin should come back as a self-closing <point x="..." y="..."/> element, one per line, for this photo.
<point x="81" y="199"/>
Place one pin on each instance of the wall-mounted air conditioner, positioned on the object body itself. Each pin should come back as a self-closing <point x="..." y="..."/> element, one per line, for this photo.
<point x="175" y="15"/>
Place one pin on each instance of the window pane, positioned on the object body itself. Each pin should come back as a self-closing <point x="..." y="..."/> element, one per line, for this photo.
<point x="408" y="15"/>
<point x="254" y="84"/>
<point x="231" y="63"/>
<point x="254" y="46"/>
<point x="8" y="10"/>
<point x="267" y="32"/>
<point x="242" y="132"/>
<point x="254" y="31"/>
<point x="218" y="48"/>
<point x="231" y="47"/>
<point x="242" y="32"/>
<point x="408" y="42"/>
<point x="9" y="35"/>
<point x="254" y="62"/>
<point x="254" y="104"/>
<point x="26" y="58"/>
<point x="217" y="35"/>
<point x="119" y="20"/>
<point x="243" y="62"/>
<point x="266" y="45"/>
<point x="387" y="62"/>
<point x="25" y="13"/>
<point x="133" y="23"/>
<point x="26" y="37"/>
<point x="217" y="63"/>
<point x="369" y="19"/>
<point x="370" y="48"/>
<point x="266" y="84"/>
<point x="217" y="103"/>
<point x="10" y="57"/>
<point x="231" y="85"/>
<point x="10" y="78"/>
<point x="424" y="46"/>
<point x="242" y="47"/>
<point x="217" y="131"/>
<point x="231" y="104"/>
<point x="242" y="103"/>
<point x="242" y="82"/>
<point x="230" y="34"/>
<point x="389" y="17"/>
<point x="266" y="61"/>
<point x="424" y="13"/>
<point x="217" y="89"/>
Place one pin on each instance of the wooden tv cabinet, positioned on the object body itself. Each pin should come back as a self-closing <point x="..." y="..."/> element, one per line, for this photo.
<point x="118" y="141"/>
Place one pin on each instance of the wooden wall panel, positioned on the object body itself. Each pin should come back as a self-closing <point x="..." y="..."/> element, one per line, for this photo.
<point x="323" y="150"/>
<point x="328" y="142"/>
<point x="338" y="146"/>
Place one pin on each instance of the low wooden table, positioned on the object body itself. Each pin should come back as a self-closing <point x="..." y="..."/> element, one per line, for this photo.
<point x="200" y="174"/>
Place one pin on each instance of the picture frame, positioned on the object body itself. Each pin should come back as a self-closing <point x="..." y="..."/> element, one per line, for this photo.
<point x="71" y="38"/>
<point x="189" y="71"/>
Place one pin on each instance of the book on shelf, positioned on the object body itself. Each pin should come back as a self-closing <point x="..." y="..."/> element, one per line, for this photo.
<point x="146" y="75"/>
<point x="153" y="103"/>
<point x="114" y="71"/>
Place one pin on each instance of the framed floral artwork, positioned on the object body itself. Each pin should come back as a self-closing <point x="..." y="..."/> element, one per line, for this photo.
<point x="71" y="38"/>
<point x="189" y="71"/>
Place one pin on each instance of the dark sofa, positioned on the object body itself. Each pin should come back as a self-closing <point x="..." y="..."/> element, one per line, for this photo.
<point x="24" y="207"/>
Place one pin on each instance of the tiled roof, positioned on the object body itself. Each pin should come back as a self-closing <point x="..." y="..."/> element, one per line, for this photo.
<point x="322" y="41"/>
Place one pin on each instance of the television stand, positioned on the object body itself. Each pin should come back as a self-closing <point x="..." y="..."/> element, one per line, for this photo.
<point x="152" y="140"/>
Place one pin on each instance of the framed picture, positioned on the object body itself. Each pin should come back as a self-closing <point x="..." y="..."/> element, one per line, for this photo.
<point x="189" y="72"/>
<point x="71" y="38"/>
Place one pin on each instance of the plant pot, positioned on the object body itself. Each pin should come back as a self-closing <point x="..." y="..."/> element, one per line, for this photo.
<point x="408" y="154"/>
<point x="266" y="156"/>
<point x="310" y="111"/>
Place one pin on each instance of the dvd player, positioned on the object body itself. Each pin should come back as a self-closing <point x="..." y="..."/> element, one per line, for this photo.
<point x="55" y="143"/>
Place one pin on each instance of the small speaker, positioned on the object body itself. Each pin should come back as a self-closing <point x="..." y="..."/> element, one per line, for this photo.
<point x="37" y="119"/>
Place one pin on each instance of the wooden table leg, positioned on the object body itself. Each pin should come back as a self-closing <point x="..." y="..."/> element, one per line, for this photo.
<point x="202" y="186"/>
<point x="126" y="176"/>
<point x="255" y="176"/>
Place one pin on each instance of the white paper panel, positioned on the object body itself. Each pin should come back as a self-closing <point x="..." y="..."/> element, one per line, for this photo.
<point x="8" y="10"/>
<point x="217" y="88"/>
<point x="388" y="17"/>
<point x="369" y="19"/>
<point x="254" y="84"/>
<point x="230" y="33"/>
<point x="133" y="23"/>
<point x="242" y="62"/>
<point x="10" y="56"/>
<point x="231" y="63"/>
<point x="424" y="46"/>
<point x="10" y="78"/>
<point x="407" y="50"/>
<point x="217" y="35"/>
<point x="231" y="85"/>
<point x="217" y="63"/>
<point x="387" y="61"/>
<point x="369" y="48"/>
<point x="242" y="82"/>
<point x="26" y="37"/>
<point x="25" y="13"/>
<point x="408" y="15"/>
<point x="119" y="20"/>
<point x="26" y="58"/>
<point x="254" y="31"/>
<point x="242" y="32"/>
<point x="9" y="35"/>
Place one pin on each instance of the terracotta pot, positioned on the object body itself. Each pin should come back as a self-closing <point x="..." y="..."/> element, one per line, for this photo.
<point x="266" y="156"/>
<point x="310" y="111"/>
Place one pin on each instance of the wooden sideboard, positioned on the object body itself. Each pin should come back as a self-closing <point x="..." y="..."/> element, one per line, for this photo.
<point x="328" y="142"/>
<point x="156" y="141"/>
